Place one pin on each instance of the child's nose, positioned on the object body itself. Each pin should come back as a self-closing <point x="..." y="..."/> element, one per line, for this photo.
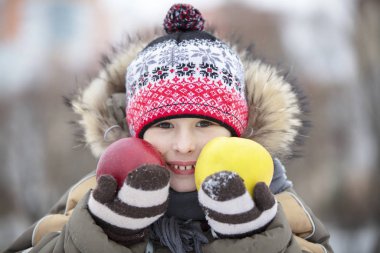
<point x="184" y="142"/>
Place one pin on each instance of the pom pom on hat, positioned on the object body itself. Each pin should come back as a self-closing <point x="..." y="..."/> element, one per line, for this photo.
<point x="183" y="17"/>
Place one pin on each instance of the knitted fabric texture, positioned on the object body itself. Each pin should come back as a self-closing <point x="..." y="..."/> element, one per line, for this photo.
<point x="183" y="17"/>
<point x="230" y="210"/>
<point x="186" y="74"/>
<point x="124" y="215"/>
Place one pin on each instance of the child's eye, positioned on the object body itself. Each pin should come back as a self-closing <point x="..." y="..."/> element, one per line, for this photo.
<point x="204" y="123"/>
<point x="164" y="125"/>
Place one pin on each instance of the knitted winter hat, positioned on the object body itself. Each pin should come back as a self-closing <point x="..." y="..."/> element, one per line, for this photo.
<point x="187" y="73"/>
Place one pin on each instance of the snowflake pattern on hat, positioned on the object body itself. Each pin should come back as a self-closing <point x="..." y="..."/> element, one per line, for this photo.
<point x="194" y="77"/>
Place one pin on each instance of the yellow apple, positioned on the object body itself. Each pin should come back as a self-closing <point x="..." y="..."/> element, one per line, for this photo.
<point x="250" y="160"/>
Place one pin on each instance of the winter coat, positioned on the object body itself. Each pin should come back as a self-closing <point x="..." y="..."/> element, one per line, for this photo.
<point x="70" y="228"/>
<point x="274" y="122"/>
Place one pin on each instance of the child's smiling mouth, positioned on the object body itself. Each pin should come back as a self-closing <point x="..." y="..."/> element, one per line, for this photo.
<point x="182" y="168"/>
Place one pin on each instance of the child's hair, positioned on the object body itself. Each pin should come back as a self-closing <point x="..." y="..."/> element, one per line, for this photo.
<point x="186" y="73"/>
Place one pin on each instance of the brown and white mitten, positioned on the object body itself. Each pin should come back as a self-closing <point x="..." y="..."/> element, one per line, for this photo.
<point x="230" y="210"/>
<point x="124" y="215"/>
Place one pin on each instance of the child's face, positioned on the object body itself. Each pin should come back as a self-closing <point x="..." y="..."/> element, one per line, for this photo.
<point x="180" y="141"/>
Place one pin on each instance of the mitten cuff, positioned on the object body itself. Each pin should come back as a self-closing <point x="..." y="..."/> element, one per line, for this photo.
<point x="220" y="235"/>
<point x="240" y="225"/>
<point x="122" y="236"/>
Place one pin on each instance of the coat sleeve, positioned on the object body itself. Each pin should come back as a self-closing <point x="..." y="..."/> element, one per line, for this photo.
<point x="309" y="231"/>
<point x="81" y="234"/>
<point x="25" y="241"/>
<point x="277" y="238"/>
<point x="69" y="227"/>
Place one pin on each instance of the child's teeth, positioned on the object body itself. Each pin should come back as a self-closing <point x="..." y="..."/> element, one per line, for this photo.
<point x="180" y="167"/>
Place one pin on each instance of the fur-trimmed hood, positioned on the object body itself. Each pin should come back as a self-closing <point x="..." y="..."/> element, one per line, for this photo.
<point x="274" y="106"/>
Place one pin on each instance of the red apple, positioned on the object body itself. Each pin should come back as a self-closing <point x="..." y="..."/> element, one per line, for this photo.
<point x="125" y="155"/>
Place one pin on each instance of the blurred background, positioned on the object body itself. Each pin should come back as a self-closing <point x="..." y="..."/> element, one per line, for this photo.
<point x="50" y="48"/>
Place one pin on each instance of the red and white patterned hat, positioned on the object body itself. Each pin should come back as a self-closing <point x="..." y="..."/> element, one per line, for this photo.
<point x="187" y="73"/>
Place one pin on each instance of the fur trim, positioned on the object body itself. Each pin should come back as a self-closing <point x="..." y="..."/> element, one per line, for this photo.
<point x="274" y="106"/>
<point x="274" y="110"/>
<point x="96" y="103"/>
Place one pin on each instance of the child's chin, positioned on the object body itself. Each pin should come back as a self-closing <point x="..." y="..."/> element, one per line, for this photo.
<point x="184" y="184"/>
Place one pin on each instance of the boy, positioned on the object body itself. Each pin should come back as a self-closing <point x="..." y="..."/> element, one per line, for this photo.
<point x="182" y="90"/>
